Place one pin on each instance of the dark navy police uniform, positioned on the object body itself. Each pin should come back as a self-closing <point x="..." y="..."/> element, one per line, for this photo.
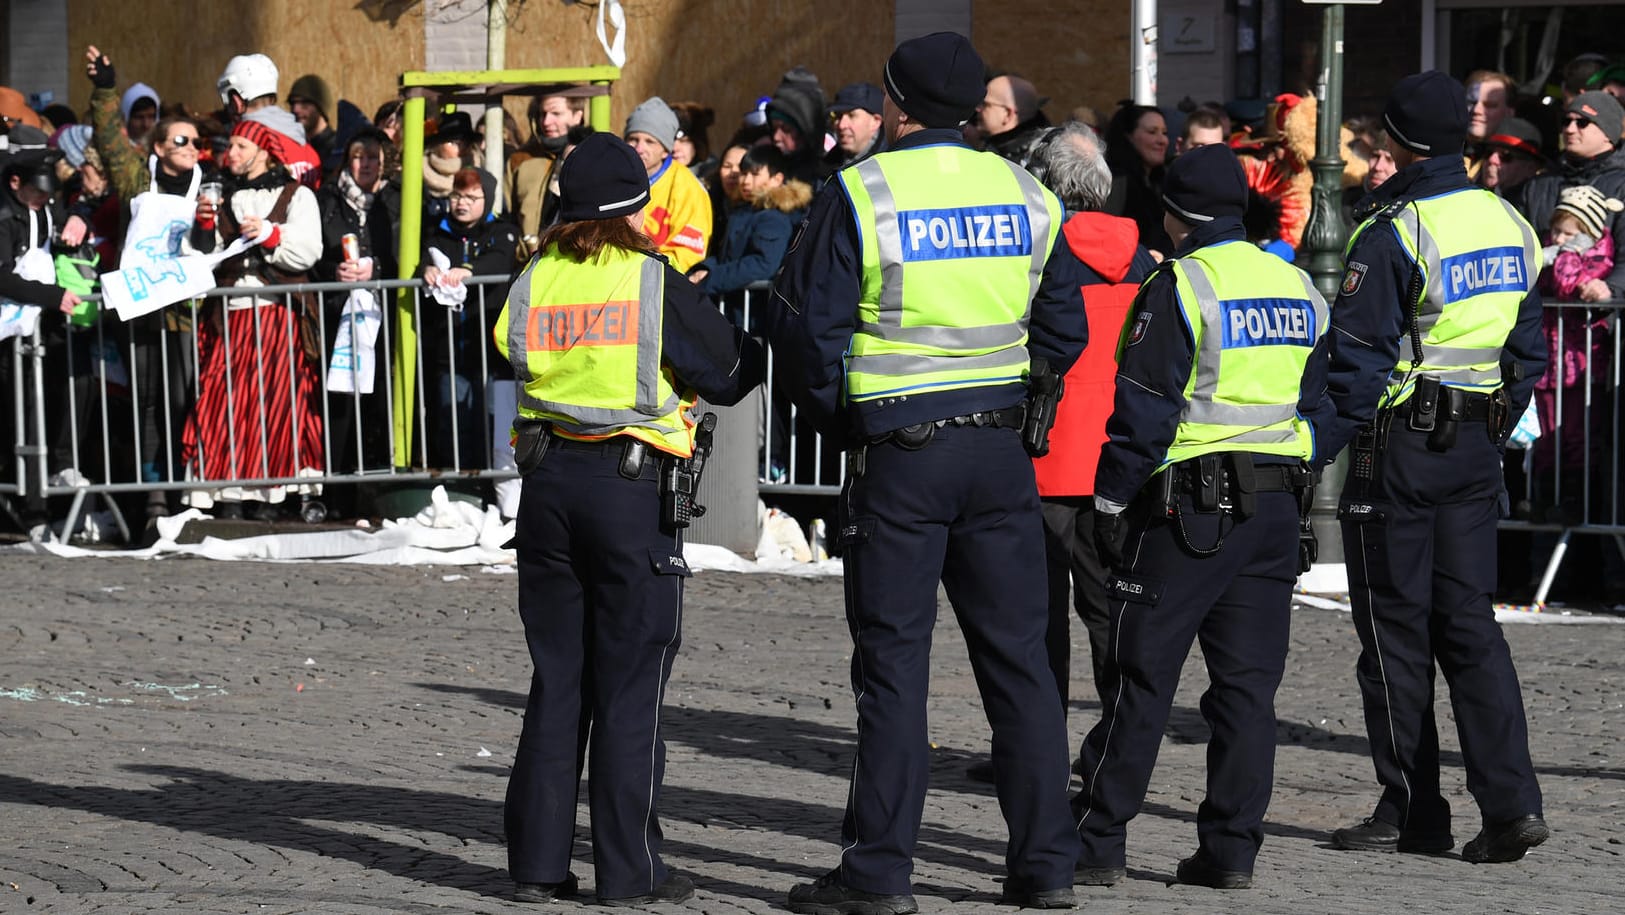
<point x="960" y="507"/>
<point x="600" y="574"/>
<point x="1419" y="529"/>
<point x="1189" y="572"/>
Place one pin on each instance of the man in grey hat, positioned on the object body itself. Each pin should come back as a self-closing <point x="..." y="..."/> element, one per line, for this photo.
<point x="1592" y="127"/>
<point x="678" y="217"/>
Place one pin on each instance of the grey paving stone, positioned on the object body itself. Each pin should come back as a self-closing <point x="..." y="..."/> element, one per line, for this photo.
<point x="165" y="747"/>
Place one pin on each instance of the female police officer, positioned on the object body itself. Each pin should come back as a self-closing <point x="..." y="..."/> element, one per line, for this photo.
<point x="610" y="346"/>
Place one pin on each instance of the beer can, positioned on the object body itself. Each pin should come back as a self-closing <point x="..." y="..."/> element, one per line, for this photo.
<point x="351" y="246"/>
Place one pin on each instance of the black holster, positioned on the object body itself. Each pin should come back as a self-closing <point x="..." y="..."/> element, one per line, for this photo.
<point x="1045" y="388"/>
<point x="531" y="438"/>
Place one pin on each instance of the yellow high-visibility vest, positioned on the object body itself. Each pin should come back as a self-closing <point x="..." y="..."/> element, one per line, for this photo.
<point x="953" y="245"/>
<point x="1255" y="319"/>
<point x="584" y="340"/>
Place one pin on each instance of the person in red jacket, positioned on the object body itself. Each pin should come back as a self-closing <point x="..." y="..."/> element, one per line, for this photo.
<point x="1070" y="161"/>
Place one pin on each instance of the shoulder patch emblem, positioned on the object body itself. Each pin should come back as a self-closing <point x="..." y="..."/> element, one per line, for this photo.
<point x="1137" y="332"/>
<point x="1353" y="277"/>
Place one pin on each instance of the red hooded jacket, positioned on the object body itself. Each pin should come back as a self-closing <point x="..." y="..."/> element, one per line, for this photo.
<point x="1108" y="245"/>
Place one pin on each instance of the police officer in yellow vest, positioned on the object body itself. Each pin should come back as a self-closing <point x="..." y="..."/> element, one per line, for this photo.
<point x="1436" y="345"/>
<point x="610" y="346"/>
<point x="923" y="283"/>
<point x="1221" y="377"/>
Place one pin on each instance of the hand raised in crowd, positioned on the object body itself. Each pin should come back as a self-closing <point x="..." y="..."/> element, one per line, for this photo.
<point x="69" y="302"/>
<point x="98" y="68"/>
<point x="1595" y="291"/>
<point x="358" y="271"/>
<point x="73" y="231"/>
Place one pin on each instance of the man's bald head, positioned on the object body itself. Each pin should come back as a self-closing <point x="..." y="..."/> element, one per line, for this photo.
<point x="1008" y="102"/>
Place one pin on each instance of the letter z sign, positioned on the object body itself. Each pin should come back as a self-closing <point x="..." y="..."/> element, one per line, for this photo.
<point x="988" y="231"/>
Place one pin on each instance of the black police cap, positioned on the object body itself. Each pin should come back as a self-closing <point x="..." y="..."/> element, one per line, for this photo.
<point x="1427" y="114"/>
<point x="602" y="178"/>
<point x="937" y="79"/>
<point x="1205" y="184"/>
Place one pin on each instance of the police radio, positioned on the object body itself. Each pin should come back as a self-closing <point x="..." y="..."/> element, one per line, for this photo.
<point x="680" y="482"/>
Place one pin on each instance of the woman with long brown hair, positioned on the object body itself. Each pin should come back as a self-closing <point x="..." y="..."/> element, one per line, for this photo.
<point x="610" y="347"/>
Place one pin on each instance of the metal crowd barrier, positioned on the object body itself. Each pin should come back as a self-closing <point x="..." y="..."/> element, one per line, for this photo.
<point x="103" y="410"/>
<point x="117" y="424"/>
<point x="1572" y="472"/>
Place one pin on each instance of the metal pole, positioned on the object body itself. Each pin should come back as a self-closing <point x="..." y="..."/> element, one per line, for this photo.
<point x="1143" y="52"/>
<point x="1323" y="245"/>
<point x="1325" y="234"/>
<point x="408" y="253"/>
<point x="496" y="54"/>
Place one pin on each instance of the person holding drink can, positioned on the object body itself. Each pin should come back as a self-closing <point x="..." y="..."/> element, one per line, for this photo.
<point x="360" y="211"/>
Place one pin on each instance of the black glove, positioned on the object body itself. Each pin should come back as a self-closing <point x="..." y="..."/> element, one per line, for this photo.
<point x="101" y="72"/>
<point x="1111" y="531"/>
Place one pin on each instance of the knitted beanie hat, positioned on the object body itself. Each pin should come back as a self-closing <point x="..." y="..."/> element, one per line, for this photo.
<point x="1591" y="207"/>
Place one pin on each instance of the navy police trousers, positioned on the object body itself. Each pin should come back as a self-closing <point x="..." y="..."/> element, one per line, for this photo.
<point x="1421" y="550"/>
<point x="601" y="597"/>
<point x="964" y="511"/>
<point x="1237" y="602"/>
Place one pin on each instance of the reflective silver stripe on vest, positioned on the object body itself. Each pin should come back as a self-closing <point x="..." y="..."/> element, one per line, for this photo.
<point x="889" y="243"/>
<point x="1201" y="408"/>
<point x="889" y="240"/>
<point x="1433" y="301"/>
<point x="902" y="364"/>
<point x="596" y="420"/>
<point x="1038" y="232"/>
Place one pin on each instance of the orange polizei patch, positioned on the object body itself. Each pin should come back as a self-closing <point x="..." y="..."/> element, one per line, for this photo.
<point x="558" y="327"/>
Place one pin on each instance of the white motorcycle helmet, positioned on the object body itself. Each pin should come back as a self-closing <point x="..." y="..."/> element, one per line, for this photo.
<point x="248" y="75"/>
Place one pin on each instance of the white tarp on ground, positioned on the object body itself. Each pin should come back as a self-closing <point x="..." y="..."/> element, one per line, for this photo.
<point x="449" y="532"/>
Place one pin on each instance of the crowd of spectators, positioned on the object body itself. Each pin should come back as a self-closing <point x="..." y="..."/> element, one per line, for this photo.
<point x="317" y="182"/>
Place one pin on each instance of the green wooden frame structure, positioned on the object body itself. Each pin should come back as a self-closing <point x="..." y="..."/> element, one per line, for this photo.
<point x="460" y="87"/>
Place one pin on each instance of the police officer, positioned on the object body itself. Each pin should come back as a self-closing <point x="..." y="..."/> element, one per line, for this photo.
<point x="921" y="285"/>
<point x="610" y="345"/>
<point x="1437" y="344"/>
<point x="1197" y="499"/>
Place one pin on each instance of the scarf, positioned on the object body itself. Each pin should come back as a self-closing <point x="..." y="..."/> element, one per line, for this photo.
<point x="438" y="176"/>
<point x="358" y="199"/>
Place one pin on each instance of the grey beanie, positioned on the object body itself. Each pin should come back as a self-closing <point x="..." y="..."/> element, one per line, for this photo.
<point x="655" y="118"/>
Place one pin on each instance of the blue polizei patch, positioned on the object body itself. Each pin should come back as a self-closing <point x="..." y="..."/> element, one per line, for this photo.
<point x="1482" y="271"/>
<point x="989" y="231"/>
<point x="1266" y="322"/>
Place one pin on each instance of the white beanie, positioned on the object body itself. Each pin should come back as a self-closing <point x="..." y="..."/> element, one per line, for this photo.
<point x="135" y="94"/>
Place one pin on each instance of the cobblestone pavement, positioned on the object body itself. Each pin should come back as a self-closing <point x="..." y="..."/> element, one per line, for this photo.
<point x="188" y="736"/>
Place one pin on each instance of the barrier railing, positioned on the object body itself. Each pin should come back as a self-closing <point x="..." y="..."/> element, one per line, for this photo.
<point x="230" y="397"/>
<point x="219" y="398"/>
<point x="1572" y="471"/>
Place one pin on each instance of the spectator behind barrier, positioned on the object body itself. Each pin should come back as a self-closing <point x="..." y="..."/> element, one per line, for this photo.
<point x="678" y="217"/>
<point x="1136" y="147"/>
<point x="250" y="345"/>
<point x="449" y="150"/>
<point x="1592" y="127"/>
<point x="474" y="243"/>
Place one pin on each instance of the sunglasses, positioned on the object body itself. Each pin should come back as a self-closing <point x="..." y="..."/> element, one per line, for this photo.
<point x="181" y="142"/>
<point x="1580" y="122"/>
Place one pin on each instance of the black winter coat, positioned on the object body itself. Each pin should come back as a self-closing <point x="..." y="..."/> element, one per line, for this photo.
<point x="14" y="241"/>
<point x="1537" y="198"/>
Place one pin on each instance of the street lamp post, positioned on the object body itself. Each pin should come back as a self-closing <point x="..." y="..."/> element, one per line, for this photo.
<point x="1323" y="243"/>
